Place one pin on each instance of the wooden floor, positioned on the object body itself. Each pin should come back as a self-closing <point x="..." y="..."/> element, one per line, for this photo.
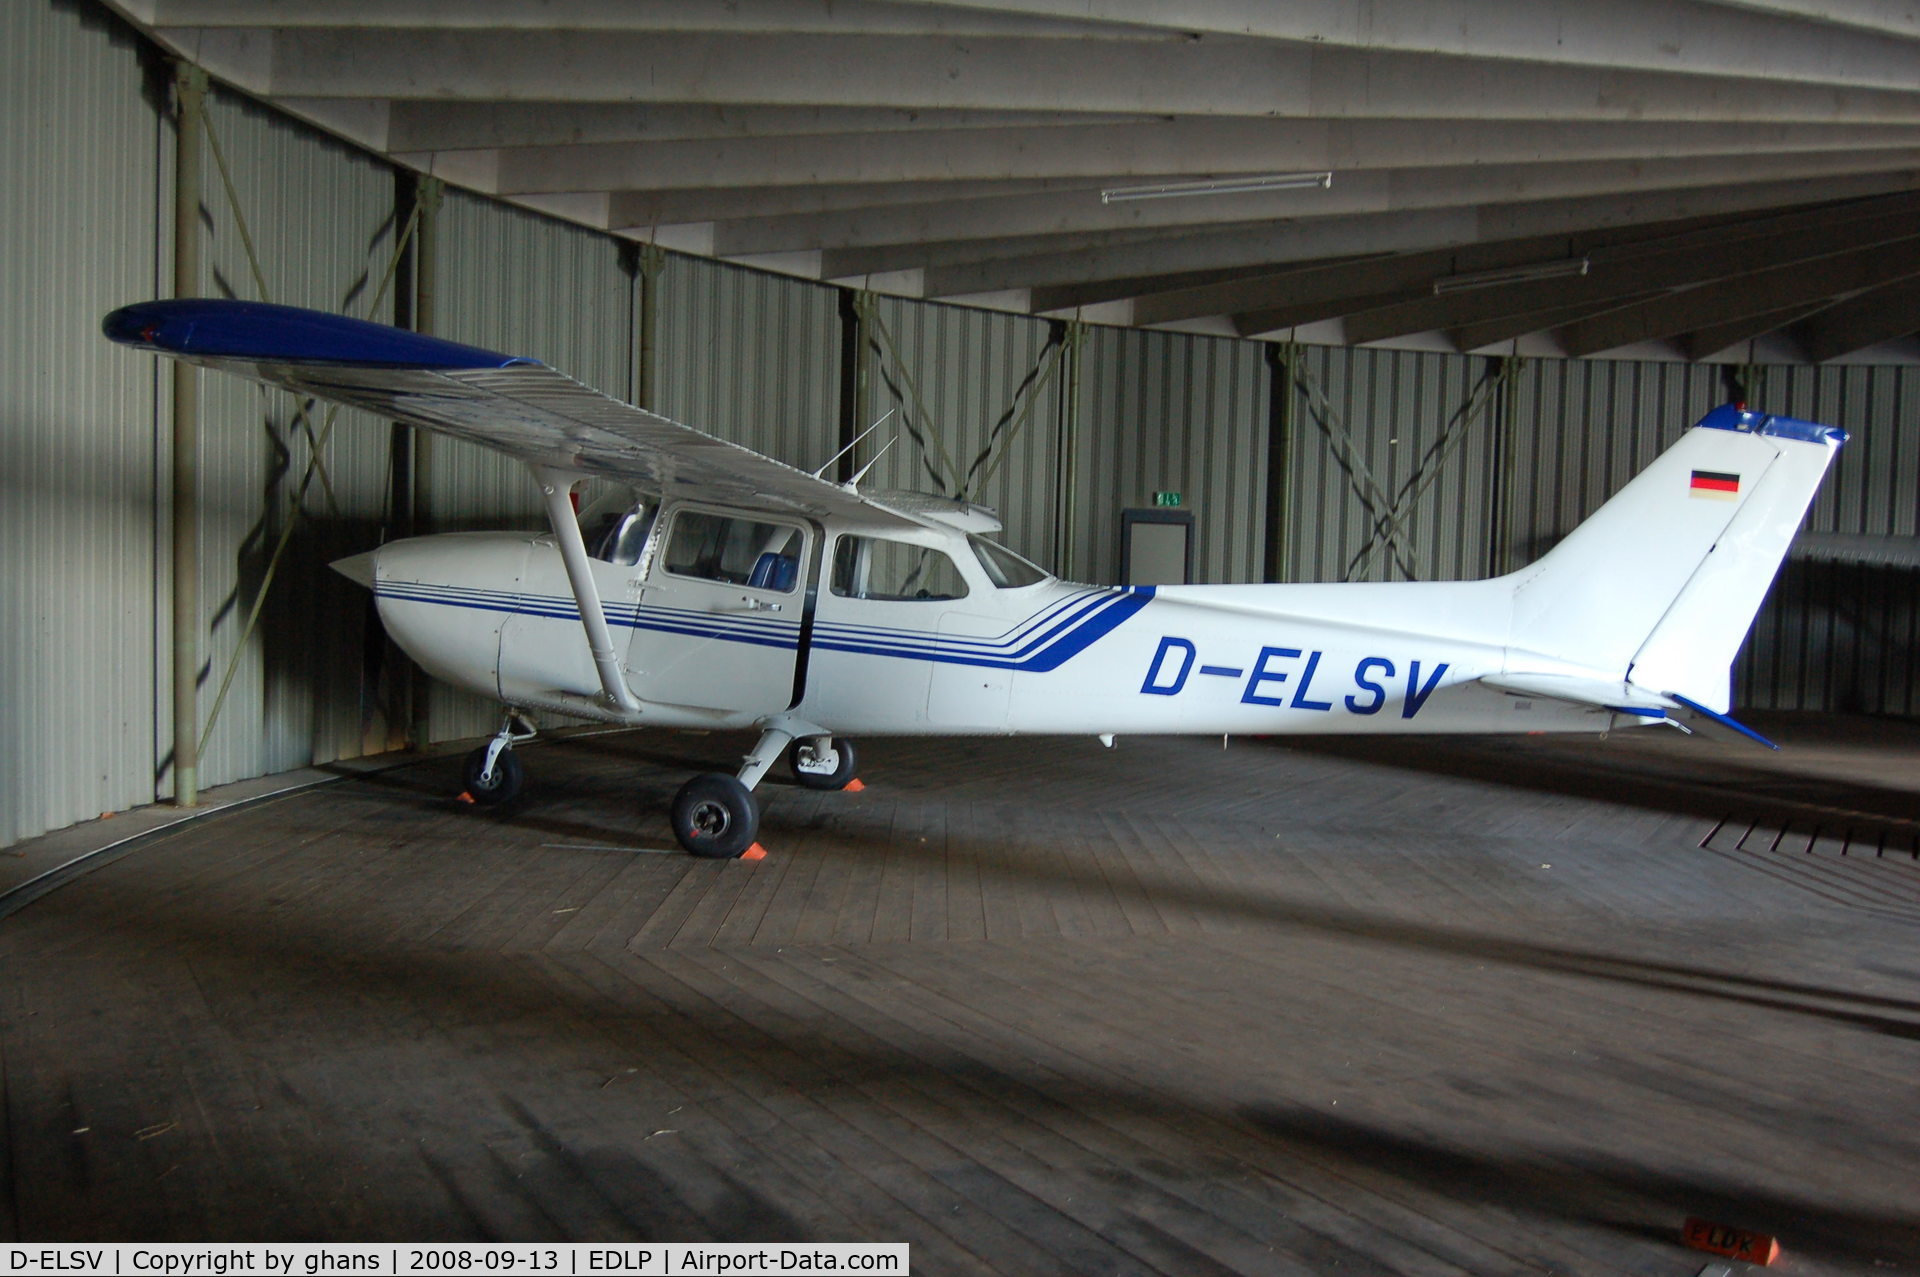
<point x="1035" y="1007"/>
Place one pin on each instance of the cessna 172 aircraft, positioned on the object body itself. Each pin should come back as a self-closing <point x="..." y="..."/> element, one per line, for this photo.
<point x="732" y="591"/>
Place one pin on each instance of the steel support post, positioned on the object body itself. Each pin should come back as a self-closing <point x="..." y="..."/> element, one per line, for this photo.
<point x="1280" y="395"/>
<point x="426" y="278"/>
<point x="190" y="92"/>
<point x="856" y="375"/>
<point x="1499" y="463"/>
<point x="653" y="260"/>
<point x="1067" y="498"/>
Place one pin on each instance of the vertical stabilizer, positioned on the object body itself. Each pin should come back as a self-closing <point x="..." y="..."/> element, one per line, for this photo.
<point x="1661" y="585"/>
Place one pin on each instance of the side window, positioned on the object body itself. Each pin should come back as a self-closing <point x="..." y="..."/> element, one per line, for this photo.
<point x="871" y="568"/>
<point x="734" y="551"/>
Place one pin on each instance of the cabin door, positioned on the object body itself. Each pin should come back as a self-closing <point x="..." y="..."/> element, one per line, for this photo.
<point x="718" y="625"/>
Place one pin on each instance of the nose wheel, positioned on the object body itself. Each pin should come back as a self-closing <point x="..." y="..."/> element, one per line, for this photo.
<point x="493" y="773"/>
<point x="491" y="783"/>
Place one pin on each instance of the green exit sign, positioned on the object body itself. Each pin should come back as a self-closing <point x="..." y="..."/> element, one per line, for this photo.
<point x="1166" y="498"/>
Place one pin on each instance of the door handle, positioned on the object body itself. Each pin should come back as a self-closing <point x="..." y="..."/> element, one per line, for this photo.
<point x="750" y="604"/>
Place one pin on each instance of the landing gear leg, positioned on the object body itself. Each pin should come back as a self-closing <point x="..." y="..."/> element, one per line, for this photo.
<point x="716" y="815"/>
<point x="823" y="762"/>
<point x="493" y="772"/>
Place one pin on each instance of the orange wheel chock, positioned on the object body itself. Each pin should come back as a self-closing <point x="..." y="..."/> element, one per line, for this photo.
<point x="853" y="786"/>
<point x="1734" y="1243"/>
<point x="755" y="852"/>
<point x="464" y="797"/>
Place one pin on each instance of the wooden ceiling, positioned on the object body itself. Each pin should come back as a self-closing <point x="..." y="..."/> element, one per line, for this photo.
<point x="1679" y="177"/>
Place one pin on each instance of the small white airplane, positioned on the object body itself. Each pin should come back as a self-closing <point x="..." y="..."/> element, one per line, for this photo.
<point x="724" y="589"/>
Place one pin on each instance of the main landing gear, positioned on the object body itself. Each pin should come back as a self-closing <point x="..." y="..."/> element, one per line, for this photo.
<point x="714" y="815"/>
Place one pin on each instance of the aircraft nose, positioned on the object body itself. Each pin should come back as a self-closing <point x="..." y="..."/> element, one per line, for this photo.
<point x="357" y="568"/>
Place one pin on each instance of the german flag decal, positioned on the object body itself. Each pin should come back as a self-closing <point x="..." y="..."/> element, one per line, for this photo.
<point x="1714" y="485"/>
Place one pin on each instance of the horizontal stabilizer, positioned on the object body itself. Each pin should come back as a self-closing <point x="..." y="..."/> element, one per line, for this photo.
<point x="1619" y="698"/>
<point x="1725" y="722"/>
<point x="1600" y="693"/>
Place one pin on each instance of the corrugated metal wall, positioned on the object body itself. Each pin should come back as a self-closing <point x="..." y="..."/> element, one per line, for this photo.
<point x="1389" y="467"/>
<point x="1169" y="412"/>
<point x="320" y="218"/>
<point x="1842" y="637"/>
<point x="78" y="588"/>
<point x="1577" y="432"/>
<point x="1483" y="484"/>
<point x="751" y="357"/>
<point x="961" y="383"/>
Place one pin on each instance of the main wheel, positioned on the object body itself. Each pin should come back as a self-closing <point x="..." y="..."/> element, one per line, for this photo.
<point x="823" y="762"/>
<point x="505" y="783"/>
<point x="715" y="816"/>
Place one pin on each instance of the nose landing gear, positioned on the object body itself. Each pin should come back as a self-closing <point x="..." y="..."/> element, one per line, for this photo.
<point x="493" y="773"/>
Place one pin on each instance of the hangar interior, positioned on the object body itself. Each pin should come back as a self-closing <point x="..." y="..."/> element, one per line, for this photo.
<point x="1336" y="455"/>
<point x="1553" y="235"/>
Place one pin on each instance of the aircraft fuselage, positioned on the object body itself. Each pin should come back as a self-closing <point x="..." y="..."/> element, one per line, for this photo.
<point x="493" y="613"/>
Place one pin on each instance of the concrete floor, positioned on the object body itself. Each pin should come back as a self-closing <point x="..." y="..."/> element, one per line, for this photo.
<point x="1448" y="1006"/>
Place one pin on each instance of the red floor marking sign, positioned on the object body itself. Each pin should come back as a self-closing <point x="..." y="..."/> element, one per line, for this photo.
<point x="1734" y="1243"/>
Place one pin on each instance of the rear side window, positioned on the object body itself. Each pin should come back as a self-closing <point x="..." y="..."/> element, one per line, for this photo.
<point x="896" y="571"/>
<point x="734" y="551"/>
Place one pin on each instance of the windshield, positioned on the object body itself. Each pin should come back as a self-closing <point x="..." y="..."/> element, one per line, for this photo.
<point x="614" y="523"/>
<point x="1004" y="568"/>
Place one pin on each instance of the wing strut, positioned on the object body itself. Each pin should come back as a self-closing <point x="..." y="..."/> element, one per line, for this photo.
<point x="554" y="485"/>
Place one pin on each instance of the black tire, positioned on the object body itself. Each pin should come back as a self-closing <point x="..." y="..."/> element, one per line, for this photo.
<point x="715" y="816"/>
<point x="509" y="777"/>
<point x="846" y="763"/>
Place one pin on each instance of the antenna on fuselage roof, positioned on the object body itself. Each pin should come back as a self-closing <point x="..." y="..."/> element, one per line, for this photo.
<point x="822" y="471"/>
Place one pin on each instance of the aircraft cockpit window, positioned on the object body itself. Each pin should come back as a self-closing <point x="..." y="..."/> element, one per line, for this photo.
<point x="623" y="536"/>
<point x="735" y="551"/>
<point x="615" y="525"/>
<point x="1004" y="568"/>
<point x="894" y="571"/>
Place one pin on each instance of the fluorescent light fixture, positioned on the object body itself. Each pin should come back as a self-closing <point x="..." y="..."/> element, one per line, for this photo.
<point x="1511" y="275"/>
<point x="1218" y="186"/>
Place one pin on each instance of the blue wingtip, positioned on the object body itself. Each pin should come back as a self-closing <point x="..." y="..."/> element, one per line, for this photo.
<point x="1736" y="418"/>
<point x="213" y="328"/>
<point x="1723" y="720"/>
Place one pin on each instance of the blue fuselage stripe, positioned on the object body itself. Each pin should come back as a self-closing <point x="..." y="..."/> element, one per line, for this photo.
<point x="1042" y="642"/>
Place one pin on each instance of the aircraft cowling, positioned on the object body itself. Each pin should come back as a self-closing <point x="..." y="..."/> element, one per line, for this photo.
<point x="444" y="598"/>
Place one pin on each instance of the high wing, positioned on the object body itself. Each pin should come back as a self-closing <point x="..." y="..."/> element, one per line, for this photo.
<point x="517" y="406"/>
